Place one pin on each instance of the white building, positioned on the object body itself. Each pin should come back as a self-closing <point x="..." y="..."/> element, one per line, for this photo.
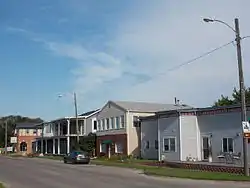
<point x="194" y="134"/>
<point x="59" y="136"/>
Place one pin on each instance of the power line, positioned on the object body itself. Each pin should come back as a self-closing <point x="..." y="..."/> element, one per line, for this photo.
<point x="199" y="57"/>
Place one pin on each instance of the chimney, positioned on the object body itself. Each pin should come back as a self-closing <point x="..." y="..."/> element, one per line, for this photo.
<point x="175" y="100"/>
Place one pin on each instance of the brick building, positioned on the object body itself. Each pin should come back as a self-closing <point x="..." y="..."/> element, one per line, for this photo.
<point x="26" y="134"/>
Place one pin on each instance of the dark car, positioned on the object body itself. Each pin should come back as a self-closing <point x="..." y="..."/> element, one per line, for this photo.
<point x="77" y="157"/>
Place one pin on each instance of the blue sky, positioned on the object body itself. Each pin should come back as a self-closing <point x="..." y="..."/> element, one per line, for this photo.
<point x="114" y="50"/>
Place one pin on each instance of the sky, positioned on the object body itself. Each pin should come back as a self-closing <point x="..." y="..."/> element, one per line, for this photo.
<point x="116" y="50"/>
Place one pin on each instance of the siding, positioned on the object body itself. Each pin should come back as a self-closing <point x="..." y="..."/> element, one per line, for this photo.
<point x="190" y="138"/>
<point x="134" y="133"/>
<point x="89" y="125"/>
<point x="219" y="126"/>
<point x="169" y="127"/>
<point x="109" y="111"/>
<point x="149" y="132"/>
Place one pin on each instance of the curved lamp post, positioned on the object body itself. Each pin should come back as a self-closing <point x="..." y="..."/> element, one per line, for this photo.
<point x="236" y="30"/>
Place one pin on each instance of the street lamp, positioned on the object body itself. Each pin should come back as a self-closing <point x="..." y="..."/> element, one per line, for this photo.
<point x="76" y="117"/>
<point x="236" y="30"/>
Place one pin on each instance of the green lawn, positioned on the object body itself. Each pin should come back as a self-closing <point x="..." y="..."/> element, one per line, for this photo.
<point x="164" y="171"/>
<point x="1" y="185"/>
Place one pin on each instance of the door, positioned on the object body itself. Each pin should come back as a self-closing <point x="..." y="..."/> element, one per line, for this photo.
<point x="205" y="147"/>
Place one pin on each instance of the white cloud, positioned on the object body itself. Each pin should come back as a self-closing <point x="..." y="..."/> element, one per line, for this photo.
<point x="151" y="39"/>
<point x="168" y="34"/>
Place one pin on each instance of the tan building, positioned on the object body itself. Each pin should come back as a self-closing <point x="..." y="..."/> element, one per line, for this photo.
<point x="118" y="125"/>
<point x="26" y="134"/>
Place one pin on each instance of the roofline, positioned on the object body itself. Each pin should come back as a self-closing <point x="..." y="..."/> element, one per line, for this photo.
<point x="93" y="113"/>
<point x="200" y="109"/>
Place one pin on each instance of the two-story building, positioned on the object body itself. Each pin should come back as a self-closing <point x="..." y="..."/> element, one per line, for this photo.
<point x="199" y="134"/>
<point x="26" y="133"/>
<point x="59" y="136"/>
<point x="118" y="130"/>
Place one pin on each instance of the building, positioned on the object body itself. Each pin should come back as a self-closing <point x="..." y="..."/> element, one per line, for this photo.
<point x="26" y="133"/>
<point x="193" y="134"/>
<point x="59" y="136"/>
<point x="118" y="129"/>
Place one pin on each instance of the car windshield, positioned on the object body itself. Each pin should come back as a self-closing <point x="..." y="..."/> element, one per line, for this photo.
<point x="80" y="153"/>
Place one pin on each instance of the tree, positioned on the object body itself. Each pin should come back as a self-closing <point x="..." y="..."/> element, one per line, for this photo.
<point x="234" y="100"/>
<point x="88" y="143"/>
<point x="11" y="122"/>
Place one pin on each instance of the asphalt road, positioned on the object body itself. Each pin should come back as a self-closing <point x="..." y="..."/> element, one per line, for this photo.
<point x="43" y="173"/>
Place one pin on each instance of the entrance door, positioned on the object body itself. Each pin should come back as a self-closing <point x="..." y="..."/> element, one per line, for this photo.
<point x="205" y="147"/>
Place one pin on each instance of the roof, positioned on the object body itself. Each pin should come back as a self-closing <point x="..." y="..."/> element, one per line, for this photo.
<point x="26" y="125"/>
<point x="89" y="113"/>
<point x="148" y="107"/>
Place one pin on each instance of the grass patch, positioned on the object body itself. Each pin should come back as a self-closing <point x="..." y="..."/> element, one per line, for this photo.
<point x="174" y="172"/>
<point x="191" y="174"/>
<point x="2" y="186"/>
<point x="51" y="157"/>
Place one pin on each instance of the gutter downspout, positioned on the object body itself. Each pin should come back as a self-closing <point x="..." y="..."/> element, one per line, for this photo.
<point x="127" y="130"/>
<point x="159" y="138"/>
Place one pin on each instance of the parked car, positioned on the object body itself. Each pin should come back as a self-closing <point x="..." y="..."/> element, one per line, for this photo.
<point x="77" y="157"/>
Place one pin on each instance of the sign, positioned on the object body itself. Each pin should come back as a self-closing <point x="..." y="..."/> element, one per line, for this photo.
<point x="246" y="127"/>
<point x="13" y="140"/>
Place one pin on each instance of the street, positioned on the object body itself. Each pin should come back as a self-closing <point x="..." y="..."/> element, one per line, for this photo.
<point x="40" y="173"/>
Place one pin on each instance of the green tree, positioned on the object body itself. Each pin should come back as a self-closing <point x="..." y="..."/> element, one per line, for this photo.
<point x="88" y="143"/>
<point x="11" y="122"/>
<point x="234" y="100"/>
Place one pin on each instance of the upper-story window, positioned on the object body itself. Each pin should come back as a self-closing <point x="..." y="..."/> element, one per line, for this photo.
<point x="112" y="123"/>
<point x="27" y="131"/>
<point x="94" y="125"/>
<point x="103" y="124"/>
<point x="35" y="131"/>
<point x="98" y="125"/>
<point x="117" y="123"/>
<point x="107" y="123"/>
<point x="122" y="121"/>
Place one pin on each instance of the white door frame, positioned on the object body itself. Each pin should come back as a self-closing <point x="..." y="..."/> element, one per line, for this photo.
<point x="208" y="136"/>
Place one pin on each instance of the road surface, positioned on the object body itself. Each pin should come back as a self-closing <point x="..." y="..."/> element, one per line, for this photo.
<point x="44" y="173"/>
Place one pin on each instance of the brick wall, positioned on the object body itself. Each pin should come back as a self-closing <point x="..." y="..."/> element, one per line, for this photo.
<point x="114" y="138"/>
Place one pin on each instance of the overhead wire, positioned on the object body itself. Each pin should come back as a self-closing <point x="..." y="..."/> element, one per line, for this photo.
<point x="199" y="57"/>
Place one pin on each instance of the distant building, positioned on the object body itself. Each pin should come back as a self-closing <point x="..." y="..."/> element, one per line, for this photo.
<point x="26" y="133"/>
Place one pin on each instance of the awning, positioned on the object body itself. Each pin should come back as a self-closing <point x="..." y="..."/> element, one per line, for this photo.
<point x="107" y="142"/>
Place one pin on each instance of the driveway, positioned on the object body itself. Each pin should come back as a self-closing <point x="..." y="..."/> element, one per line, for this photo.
<point x="41" y="173"/>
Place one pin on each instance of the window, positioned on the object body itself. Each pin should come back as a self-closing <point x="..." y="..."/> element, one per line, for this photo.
<point x="117" y="121"/>
<point x="227" y="145"/>
<point x="107" y="123"/>
<point x="34" y="131"/>
<point x="169" y="144"/>
<point x="112" y="123"/>
<point x="136" y="121"/>
<point x="99" y="125"/>
<point x="156" y="144"/>
<point x="103" y="148"/>
<point x="103" y="124"/>
<point x="27" y="131"/>
<point x="122" y="121"/>
<point x="147" y="145"/>
<point x="95" y="125"/>
<point x="118" y="147"/>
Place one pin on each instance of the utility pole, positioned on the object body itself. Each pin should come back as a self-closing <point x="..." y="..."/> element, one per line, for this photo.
<point x="76" y="116"/>
<point x="236" y="30"/>
<point x="6" y="137"/>
<point x="242" y="92"/>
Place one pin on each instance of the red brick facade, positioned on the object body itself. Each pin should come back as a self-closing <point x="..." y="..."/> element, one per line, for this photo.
<point x="121" y="138"/>
<point x="28" y="140"/>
